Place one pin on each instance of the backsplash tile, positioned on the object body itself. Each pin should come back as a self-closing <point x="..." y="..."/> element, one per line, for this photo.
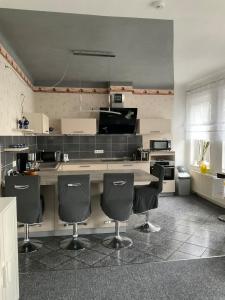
<point x="77" y="147"/>
<point x="83" y="146"/>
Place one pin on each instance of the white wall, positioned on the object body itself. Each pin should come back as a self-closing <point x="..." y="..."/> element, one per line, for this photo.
<point x="178" y="125"/>
<point x="61" y="105"/>
<point x="11" y="88"/>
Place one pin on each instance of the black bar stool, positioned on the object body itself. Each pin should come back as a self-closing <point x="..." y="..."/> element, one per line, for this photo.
<point x="74" y="206"/>
<point x="26" y="189"/>
<point x="146" y="198"/>
<point x="117" y="202"/>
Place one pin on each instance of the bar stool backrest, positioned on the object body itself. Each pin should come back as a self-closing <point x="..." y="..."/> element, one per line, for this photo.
<point x="26" y="189"/>
<point x="74" y="198"/>
<point x="158" y="171"/>
<point x="118" y="193"/>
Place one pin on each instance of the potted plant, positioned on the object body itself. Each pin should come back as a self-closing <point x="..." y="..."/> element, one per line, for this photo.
<point x="203" y="147"/>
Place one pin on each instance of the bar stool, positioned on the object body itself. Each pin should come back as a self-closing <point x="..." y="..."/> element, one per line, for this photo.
<point x="26" y="189"/>
<point x="146" y="198"/>
<point x="116" y="203"/>
<point x="74" y="207"/>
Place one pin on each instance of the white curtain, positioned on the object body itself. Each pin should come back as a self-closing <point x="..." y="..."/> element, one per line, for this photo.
<point x="205" y="118"/>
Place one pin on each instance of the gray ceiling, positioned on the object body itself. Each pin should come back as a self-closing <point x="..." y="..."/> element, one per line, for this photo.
<point x="42" y="41"/>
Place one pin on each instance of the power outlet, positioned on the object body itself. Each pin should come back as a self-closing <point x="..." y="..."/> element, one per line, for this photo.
<point x="99" y="151"/>
<point x="14" y="163"/>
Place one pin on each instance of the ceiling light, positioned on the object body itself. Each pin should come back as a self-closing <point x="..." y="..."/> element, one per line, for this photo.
<point x="158" y="4"/>
<point x="94" y="53"/>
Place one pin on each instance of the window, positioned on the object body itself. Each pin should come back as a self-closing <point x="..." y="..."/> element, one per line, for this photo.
<point x="200" y="150"/>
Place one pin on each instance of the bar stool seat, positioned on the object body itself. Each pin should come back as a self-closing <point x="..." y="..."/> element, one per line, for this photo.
<point x="26" y="189"/>
<point x="74" y="207"/>
<point x="116" y="203"/>
<point x="146" y="198"/>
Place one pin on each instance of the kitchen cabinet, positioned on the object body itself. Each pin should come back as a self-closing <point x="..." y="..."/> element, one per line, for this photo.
<point x="168" y="186"/>
<point x="78" y="126"/>
<point x="149" y="126"/>
<point x="38" y="122"/>
<point x="9" y="278"/>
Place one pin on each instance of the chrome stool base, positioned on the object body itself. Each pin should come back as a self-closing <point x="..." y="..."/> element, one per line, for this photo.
<point x="75" y="244"/>
<point x="222" y="218"/>
<point x="29" y="246"/>
<point x="148" y="227"/>
<point x="117" y="242"/>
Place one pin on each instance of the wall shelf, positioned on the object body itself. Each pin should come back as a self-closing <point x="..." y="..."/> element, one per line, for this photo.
<point x="24" y="130"/>
<point x="16" y="149"/>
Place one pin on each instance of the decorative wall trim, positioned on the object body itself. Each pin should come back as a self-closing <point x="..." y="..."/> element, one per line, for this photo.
<point x="112" y="89"/>
<point x="15" y="66"/>
<point x="121" y="89"/>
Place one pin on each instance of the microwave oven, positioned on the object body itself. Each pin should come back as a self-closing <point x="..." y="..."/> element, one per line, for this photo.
<point x="157" y="145"/>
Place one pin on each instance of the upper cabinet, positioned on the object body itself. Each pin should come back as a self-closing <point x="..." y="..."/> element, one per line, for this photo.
<point x="38" y="122"/>
<point x="78" y="126"/>
<point x="149" y="126"/>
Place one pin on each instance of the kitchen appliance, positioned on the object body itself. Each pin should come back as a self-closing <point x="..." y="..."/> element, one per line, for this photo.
<point x="47" y="156"/>
<point x="158" y="145"/>
<point x="65" y="157"/>
<point x="121" y="122"/>
<point x="142" y="154"/>
<point x="32" y="157"/>
<point x="169" y="168"/>
<point x="21" y="161"/>
<point x="58" y="156"/>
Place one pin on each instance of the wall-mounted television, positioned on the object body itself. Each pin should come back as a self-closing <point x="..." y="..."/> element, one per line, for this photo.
<point x="119" y="121"/>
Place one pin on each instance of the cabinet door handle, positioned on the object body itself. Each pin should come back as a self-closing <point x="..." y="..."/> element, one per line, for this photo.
<point x="85" y="166"/>
<point x="127" y="165"/>
<point x="21" y="187"/>
<point x="122" y="182"/>
<point x="76" y="184"/>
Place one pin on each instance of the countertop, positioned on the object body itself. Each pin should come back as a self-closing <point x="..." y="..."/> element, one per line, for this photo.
<point x="49" y="177"/>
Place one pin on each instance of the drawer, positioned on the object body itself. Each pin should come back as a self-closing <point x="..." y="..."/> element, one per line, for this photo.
<point x="168" y="186"/>
<point x="125" y="166"/>
<point x="130" y="166"/>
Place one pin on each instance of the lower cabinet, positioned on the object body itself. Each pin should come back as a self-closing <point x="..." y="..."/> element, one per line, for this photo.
<point x="168" y="186"/>
<point x="9" y="278"/>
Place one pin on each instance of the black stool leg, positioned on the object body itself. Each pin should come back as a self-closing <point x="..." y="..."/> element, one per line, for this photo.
<point x="117" y="242"/>
<point x="147" y="226"/>
<point x="26" y="246"/>
<point x="76" y="243"/>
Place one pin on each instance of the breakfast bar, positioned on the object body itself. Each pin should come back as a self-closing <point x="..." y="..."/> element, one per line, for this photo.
<point x="98" y="222"/>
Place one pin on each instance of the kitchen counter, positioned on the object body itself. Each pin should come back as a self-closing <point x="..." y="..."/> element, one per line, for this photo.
<point x="98" y="222"/>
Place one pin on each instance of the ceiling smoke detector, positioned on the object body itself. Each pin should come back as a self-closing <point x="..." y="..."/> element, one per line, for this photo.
<point x="158" y="4"/>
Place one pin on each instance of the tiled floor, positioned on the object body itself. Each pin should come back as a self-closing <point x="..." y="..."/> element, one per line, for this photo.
<point x="190" y="229"/>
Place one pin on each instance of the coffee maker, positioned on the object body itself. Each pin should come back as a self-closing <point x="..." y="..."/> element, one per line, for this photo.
<point x="21" y="161"/>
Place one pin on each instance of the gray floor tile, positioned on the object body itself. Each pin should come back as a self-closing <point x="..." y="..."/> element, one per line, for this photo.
<point x="178" y="255"/>
<point x="109" y="261"/>
<point x="90" y="257"/>
<point x="145" y="258"/>
<point x="72" y="264"/>
<point x="126" y="254"/>
<point x="33" y="266"/>
<point x="102" y="249"/>
<point x="54" y="259"/>
<point x="159" y="251"/>
<point x="192" y="249"/>
<point x="212" y="252"/>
